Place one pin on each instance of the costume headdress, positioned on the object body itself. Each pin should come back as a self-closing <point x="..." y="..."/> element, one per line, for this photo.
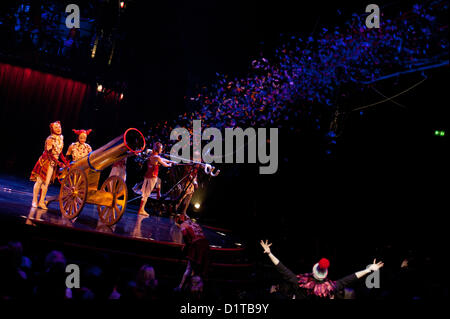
<point x="78" y="132"/>
<point x="52" y="124"/>
<point x="320" y="270"/>
<point x="317" y="282"/>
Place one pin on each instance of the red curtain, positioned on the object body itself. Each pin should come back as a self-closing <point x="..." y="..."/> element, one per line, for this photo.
<point x="29" y="101"/>
<point x="49" y="97"/>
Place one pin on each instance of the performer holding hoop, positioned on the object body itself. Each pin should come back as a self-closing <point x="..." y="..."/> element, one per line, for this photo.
<point x="44" y="172"/>
<point x="151" y="176"/>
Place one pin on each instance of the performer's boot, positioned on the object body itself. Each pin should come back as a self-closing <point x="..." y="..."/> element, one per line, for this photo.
<point x="142" y="208"/>
<point x="41" y="203"/>
<point x="36" y="189"/>
<point x="51" y="199"/>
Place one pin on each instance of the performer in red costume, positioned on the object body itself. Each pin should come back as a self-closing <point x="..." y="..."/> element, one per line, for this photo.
<point x="151" y="176"/>
<point x="45" y="170"/>
<point x="196" y="248"/>
<point x="79" y="149"/>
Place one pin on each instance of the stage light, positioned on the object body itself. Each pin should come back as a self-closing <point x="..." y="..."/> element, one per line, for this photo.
<point x="121" y="96"/>
<point x="197" y="205"/>
<point x="439" y="133"/>
<point x="122" y="4"/>
<point x="99" y="88"/>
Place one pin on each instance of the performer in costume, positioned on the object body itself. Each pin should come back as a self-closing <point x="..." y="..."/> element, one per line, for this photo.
<point x="196" y="248"/>
<point x="76" y="150"/>
<point x="45" y="170"/>
<point x="151" y="176"/>
<point x="157" y="188"/>
<point x="120" y="169"/>
<point x="80" y="148"/>
<point x="191" y="186"/>
<point x="316" y="284"/>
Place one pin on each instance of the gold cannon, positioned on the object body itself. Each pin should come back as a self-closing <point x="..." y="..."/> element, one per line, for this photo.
<point x="80" y="184"/>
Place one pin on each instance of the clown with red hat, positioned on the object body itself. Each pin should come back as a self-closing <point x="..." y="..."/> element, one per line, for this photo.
<point x="316" y="283"/>
<point x="44" y="172"/>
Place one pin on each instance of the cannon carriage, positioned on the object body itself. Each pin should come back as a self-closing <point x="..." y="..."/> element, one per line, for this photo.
<point x="80" y="182"/>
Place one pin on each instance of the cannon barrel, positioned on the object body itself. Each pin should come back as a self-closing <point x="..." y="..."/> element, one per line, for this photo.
<point x="132" y="141"/>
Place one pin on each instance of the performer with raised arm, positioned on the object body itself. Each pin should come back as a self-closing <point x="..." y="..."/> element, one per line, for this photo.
<point x="45" y="170"/>
<point x="80" y="148"/>
<point x="151" y="176"/>
<point x="316" y="284"/>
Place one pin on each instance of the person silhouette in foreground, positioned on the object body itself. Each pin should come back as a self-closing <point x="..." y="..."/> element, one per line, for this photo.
<point x="316" y="284"/>
<point x="197" y="253"/>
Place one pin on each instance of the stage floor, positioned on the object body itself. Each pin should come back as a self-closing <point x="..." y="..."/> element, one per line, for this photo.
<point x="15" y="203"/>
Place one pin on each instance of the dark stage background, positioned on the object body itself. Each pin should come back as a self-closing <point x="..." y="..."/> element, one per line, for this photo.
<point x="385" y="184"/>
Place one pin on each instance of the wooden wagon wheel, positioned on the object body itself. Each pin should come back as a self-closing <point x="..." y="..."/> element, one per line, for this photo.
<point x="73" y="193"/>
<point x="110" y="215"/>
